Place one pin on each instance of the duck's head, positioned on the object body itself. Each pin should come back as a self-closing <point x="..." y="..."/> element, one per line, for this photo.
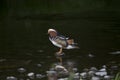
<point x="52" y="32"/>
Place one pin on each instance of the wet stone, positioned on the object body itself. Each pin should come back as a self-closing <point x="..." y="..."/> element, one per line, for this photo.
<point x="52" y="69"/>
<point x="21" y="70"/>
<point x="31" y="75"/>
<point x="21" y="79"/>
<point x="40" y="51"/>
<point x="48" y="57"/>
<point x="76" y="77"/>
<point x="11" y="78"/>
<point x="50" y="73"/>
<point x="70" y="64"/>
<point x="63" y="79"/>
<point x="93" y="69"/>
<point x="39" y="65"/>
<point x="86" y="70"/>
<point x="95" y="78"/>
<point x="101" y="73"/>
<point x="60" y="68"/>
<point x="91" y="55"/>
<point x="75" y="70"/>
<point x="83" y="74"/>
<point x="115" y="53"/>
<point x="39" y="76"/>
<point x="114" y="67"/>
<point x="107" y="77"/>
<point x="91" y="73"/>
<point x="2" y="60"/>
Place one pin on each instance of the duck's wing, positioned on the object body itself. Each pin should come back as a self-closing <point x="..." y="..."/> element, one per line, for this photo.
<point x="61" y="41"/>
<point x="63" y="37"/>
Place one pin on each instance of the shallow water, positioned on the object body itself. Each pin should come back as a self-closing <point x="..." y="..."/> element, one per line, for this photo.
<point x="25" y="42"/>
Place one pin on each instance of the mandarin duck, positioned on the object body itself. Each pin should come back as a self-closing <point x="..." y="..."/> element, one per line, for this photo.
<point x="61" y="41"/>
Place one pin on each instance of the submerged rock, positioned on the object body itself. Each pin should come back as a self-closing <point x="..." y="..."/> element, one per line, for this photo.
<point x="83" y="75"/>
<point x="40" y="50"/>
<point x="63" y="79"/>
<point x="95" y="78"/>
<point x="59" y="71"/>
<point x="75" y="70"/>
<point x="107" y="77"/>
<point x="93" y="69"/>
<point x="76" y="76"/>
<point x="91" y="73"/>
<point x="91" y="55"/>
<point x="60" y="68"/>
<point x="31" y="75"/>
<point x="21" y="70"/>
<point x="115" y="53"/>
<point x="52" y="75"/>
<point x="101" y="73"/>
<point x="2" y="60"/>
<point x="11" y="78"/>
<point x="39" y="76"/>
<point x="39" y="65"/>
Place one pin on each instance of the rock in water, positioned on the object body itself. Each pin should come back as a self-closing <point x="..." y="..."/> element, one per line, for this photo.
<point x="60" y="68"/>
<point x="95" y="78"/>
<point x="11" y="78"/>
<point x="31" y="75"/>
<point x="21" y="70"/>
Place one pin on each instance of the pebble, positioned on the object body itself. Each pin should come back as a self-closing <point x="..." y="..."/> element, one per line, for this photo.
<point x="83" y="74"/>
<point x="93" y="69"/>
<point x="40" y="51"/>
<point x="2" y="60"/>
<point x="103" y="68"/>
<point x="39" y="65"/>
<point x="115" y="53"/>
<point x="31" y="75"/>
<point x="107" y="77"/>
<point x="39" y="76"/>
<point x="63" y="79"/>
<point x="51" y="73"/>
<point x="91" y="55"/>
<point x="101" y="73"/>
<point x="75" y="70"/>
<point x="60" y="68"/>
<point x="11" y="78"/>
<point x="95" y="78"/>
<point x="91" y="73"/>
<point x="21" y="70"/>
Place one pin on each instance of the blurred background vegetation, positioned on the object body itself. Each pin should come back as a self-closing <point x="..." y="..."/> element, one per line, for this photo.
<point x="37" y="7"/>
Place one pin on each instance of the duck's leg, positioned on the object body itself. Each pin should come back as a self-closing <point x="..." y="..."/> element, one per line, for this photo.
<point x="59" y="54"/>
<point x="60" y="60"/>
<point x="60" y="51"/>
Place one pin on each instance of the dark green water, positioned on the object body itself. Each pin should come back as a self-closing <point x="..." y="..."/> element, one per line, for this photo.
<point x="24" y="41"/>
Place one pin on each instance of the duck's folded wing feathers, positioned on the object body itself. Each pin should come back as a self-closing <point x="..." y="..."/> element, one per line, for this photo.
<point x="63" y="37"/>
<point x="62" y="41"/>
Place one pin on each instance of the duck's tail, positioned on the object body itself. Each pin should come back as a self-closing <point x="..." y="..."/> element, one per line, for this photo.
<point x="72" y="47"/>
